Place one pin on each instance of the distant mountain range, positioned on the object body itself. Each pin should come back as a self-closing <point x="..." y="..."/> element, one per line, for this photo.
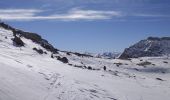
<point x="150" y="47"/>
<point x="108" y="55"/>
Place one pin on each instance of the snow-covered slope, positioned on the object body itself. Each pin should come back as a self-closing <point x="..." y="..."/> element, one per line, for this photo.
<point x="150" y="47"/>
<point x="26" y="74"/>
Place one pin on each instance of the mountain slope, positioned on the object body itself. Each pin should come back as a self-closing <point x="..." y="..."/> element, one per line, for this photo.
<point x="30" y="75"/>
<point x="150" y="47"/>
<point x="31" y="36"/>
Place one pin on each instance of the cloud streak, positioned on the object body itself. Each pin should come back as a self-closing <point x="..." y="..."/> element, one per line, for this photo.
<point x="18" y="14"/>
<point x="150" y="15"/>
<point x="71" y="15"/>
<point x="74" y="14"/>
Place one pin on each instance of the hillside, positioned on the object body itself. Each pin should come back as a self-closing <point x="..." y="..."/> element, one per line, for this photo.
<point x="31" y="71"/>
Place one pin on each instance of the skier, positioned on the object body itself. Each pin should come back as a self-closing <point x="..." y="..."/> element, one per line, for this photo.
<point x="104" y="68"/>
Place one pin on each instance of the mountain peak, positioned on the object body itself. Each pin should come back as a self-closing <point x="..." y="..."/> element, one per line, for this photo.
<point x="158" y="38"/>
<point x="150" y="47"/>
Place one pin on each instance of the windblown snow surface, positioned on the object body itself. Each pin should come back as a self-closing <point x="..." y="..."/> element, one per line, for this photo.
<point x="27" y="75"/>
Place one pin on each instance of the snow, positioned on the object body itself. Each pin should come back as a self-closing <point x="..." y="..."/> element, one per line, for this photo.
<point x="27" y="75"/>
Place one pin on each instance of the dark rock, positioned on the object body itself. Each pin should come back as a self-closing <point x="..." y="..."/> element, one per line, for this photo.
<point x="68" y="53"/>
<point x="18" y="42"/>
<point x="89" y="67"/>
<point x="40" y="51"/>
<point x="159" y="79"/>
<point x="52" y="56"/>
<point x="70" y="64"/>
<point x="165" y="62"/>
<point x="144" y="63"/>
<point x="62" y="59"/>
<point x="153" y="64"/>
<point x="118" y="64"/>
<point x="78" y="66"/>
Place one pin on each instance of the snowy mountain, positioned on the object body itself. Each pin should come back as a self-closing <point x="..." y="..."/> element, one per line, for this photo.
<point x="107" y="55"/>
<point x="110" y="55"/>
<point x="32" y="69"/>
<point x="150" y="47"/>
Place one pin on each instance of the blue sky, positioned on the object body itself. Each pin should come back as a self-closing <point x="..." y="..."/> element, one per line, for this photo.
<point x="89" y="25"/>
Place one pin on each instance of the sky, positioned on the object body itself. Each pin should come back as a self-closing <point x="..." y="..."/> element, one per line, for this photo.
<point x="89" y="25"/>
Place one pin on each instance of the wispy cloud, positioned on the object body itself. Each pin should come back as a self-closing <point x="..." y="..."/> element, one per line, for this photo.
<point x="149" y="15"/>
<point x="19" y="11"/>
<point x="18" y="14"/>
<point x="78" y="14"/>
<point x="71" y="15"/>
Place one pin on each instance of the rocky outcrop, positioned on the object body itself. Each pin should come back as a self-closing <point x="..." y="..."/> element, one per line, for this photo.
<point x="62" y="59"/>
<point x="17" y="41"/>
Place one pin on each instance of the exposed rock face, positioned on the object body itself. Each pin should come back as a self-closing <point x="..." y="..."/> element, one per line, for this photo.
<point x="152" y="46"/>
<point x="18" y="42"/>
<point x="62" y="59"/>
<point x="32" y="36"/>
<point x="40" y="51"/>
